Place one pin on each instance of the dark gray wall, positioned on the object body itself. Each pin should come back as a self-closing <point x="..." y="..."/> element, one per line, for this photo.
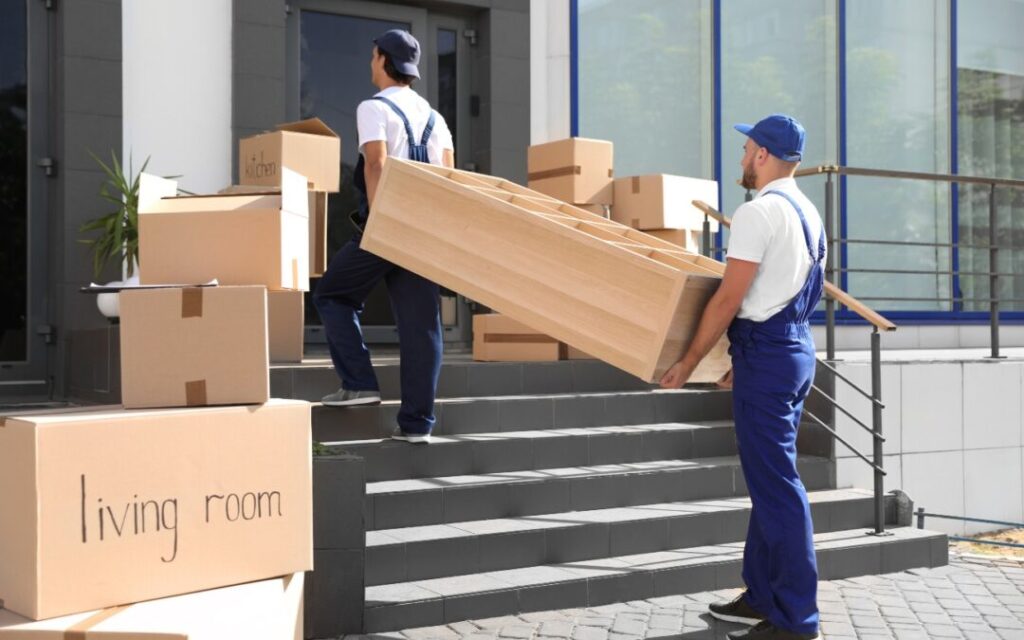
<point x="86" y="117"/>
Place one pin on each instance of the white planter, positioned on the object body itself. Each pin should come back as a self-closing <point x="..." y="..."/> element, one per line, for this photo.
<point x="107" y="303"/>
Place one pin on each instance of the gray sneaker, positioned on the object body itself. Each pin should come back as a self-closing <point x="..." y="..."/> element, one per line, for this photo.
<point x="345" y="398"/>
<point x="415" y="438"/>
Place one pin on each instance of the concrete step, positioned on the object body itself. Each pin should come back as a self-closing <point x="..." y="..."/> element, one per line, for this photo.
<point x="541" y="449"/>
<point x="456" y="416"/>
<point x="437" y="551"/>
<point x="441" y="500"/>
<point x="461" y="378"/>
<point x="439" y="601"/>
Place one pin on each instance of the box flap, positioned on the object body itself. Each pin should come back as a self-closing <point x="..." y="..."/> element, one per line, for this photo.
<point x="313" y="126"/>
<point x="214" y="203"/>
<point x="153" y="188"/>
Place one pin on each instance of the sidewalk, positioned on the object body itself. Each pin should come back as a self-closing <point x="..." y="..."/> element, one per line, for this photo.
<point x="974" y="598"/>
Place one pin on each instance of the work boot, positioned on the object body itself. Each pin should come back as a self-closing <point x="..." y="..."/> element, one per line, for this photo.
<point x="405" y="436"/>
<point x="765" y="630"/>
<point x="735" y="611"/>
<point x="347" y="398"/>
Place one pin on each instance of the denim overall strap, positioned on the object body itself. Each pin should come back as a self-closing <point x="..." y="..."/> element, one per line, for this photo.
<point x="417" y="152"/>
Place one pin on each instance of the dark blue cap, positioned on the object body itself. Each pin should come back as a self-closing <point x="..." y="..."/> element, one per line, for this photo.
<point x="403" y="49"/>
<point x="781" y="135"/>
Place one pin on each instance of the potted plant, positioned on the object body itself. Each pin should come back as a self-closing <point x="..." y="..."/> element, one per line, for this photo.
<point x="118" y="231"/>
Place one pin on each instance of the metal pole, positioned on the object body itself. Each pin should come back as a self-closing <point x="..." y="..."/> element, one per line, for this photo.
<point x="876" y="422"/>
<point x="707" y="237"/>
<point x="993" y="278"/>
<point x="920" y="517"/>
<point x="830" y="303"/>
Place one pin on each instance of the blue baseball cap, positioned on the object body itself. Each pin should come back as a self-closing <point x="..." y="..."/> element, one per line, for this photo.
<point x="781" y="135"/>
<point x="403" y="49"/>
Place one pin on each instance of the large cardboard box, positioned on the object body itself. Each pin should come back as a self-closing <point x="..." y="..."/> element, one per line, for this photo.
<point x="265" y="610"/>
<point x="619" y="294"/>
<point x="498" y="338"/>
<point x="194" y="347"/>
<point x="235" y="239"/>
<point x="576" y="170"/>
<point x="308" y="147"/>
<point x="109" y="506"/>
<point x="318" y="257"/>
<point x="662" y="201"/>
<point x="286" y="325"/>
<point x="689" y="239"/>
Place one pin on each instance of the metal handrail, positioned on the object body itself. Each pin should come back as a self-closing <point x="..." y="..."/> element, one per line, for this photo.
<point x="921" y="514"/>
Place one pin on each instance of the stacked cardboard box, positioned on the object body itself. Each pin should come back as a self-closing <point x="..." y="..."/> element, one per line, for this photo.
<point x="662" y="206"/>
<point x="578" y="171"/>
<point x="199" y="482"/>
<point x="498" y="338"/>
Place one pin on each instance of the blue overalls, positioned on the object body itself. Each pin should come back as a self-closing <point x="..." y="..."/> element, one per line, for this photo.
<point x="773" y="368"/>
<point x="415" y="304"/>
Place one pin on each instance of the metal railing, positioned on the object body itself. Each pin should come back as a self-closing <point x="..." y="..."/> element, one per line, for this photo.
<point x="835" y="296"/>
<point x="922" y="514"/>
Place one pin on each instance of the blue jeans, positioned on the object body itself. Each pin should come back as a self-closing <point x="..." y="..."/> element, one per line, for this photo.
<point x="415" y="302"/>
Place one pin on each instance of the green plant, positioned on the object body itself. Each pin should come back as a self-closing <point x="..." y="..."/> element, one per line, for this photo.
<point x="118" y="230"/>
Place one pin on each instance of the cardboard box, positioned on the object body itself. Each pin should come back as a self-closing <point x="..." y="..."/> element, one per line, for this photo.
<point x="318" y="257"/>
<point x="286" y="325"/>
<point x="577" y="170"/>
<point x="619" y="294"/>
<point x="235" y="239"/>
<point x="498" y="338"/>
<point x="308" y="147"/>
<point x="689" y="239"/>
<point x="110" y="506"/>
<point x="596" y="209"/>
<point x="265" y="610"/>
<point x="194" y="347"/>
<point x="662" y="202"/>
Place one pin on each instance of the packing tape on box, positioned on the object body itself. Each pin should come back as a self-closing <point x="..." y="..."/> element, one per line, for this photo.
<point x="522" y="338"/>
<point x="636" y="184"/>
<point x="79" y="631"/>
<point x="573" y="170"/>
<point x="195" y="393"/>
<point x="192" y="302"/>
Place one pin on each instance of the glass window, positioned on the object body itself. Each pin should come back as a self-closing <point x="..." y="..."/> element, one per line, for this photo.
<point x="13" y="182"/>
<point x="990" y="132"/>
<point x="447" y="79"/>
<point x="897" y="105"/>
<point x="645" y="83"/>
<point x="778" y="57"/>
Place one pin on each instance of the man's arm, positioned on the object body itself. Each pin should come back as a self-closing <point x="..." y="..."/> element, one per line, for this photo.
<point x="374" y="154"/>
<point x="719" y="312"/>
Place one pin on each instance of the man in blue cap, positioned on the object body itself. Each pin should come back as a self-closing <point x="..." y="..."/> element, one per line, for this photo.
<point x="395" y="122"/>
<point x="773" y="281"/>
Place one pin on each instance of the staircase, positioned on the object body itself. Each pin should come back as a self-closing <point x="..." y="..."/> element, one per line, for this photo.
<point x="567" y="484"/>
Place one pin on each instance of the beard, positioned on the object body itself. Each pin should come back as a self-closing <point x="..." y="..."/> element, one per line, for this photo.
<point x="749" y="180"/>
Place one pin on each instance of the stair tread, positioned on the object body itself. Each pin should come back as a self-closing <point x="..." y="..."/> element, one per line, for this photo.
<point x="433" y="484"/>
<point x="575" y="518"/>
<point x="539" y="396"/>
<point x="440" y="588"/>
<point x="544" y="433"/>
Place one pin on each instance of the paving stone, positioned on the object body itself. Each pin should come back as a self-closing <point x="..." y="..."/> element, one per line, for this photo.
<point x="629" y="626"/>
<point x="864" y="622"/>
<point x="664" y="622"/>
<point x="555" y="629"/>
<point x="544" y="616"/>
<point x="1004" y="622"/>
<point x="589" y="633"/>
<point x="516" y="631"/>
<point x="464" y="628"/>
<point x="425" y="633"/>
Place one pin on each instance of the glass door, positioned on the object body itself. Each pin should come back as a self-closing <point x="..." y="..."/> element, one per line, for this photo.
<point x="329" y="48"/>
<point x="23" y="103"/>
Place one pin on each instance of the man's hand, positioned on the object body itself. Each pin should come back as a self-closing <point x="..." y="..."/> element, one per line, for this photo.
<point x="677" y="375"/>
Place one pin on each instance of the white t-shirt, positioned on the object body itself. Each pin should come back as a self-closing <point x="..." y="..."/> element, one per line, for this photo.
<point x="767" y="231"/>
<point x="377" y="121"/>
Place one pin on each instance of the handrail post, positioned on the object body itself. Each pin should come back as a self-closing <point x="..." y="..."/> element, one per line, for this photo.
<point x="920" y="517"/>
<point x="830" y="303"/>
<point x="706" y="239"/>
<point x="993" y="272"/>
<point x="876" y="423"/>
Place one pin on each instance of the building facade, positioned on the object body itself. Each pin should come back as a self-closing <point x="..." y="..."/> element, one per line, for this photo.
<point x="933" y="86"/>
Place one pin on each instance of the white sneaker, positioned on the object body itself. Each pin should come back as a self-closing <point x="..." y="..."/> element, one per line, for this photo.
<point x="346" y="398"/>
<point x="415" y="438"/>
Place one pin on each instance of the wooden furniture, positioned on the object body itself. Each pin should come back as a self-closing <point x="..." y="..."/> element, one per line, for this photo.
<point x="616" y="293"/>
